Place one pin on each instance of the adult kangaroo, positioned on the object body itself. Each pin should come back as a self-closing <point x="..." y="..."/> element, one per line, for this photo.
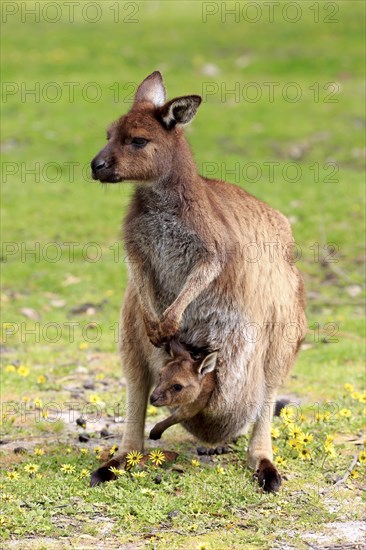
<point x="209" y="263"/>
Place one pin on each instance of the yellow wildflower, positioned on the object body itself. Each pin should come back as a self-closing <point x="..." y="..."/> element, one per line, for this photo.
<point x="84" y="473"/>
<point x="138" y="475"/>
<point x="13" y="475"/>
<point x="287" y="415"/>
<point x="294" y="431"/>
<point x="84" y="451"/>
<point x="305" y="438"/>
<point x="31" y="468"/>
<point x="328" y="440"/>
<point x="41" y="379"/>
<point x="362" y="457"/>
<point x="67" y="468"/>
<point x="346" y="413"/>
<point x="275" y="432"/>
<point x="10" y="368"/>
<point x="330" y="450"/>
<point x="152" y="411"/>
<point x="23" y="371"/>
<point x="117" y="472"/>
<point x="83" y="345"/>
<point x="133" y="458"/>
<point x="94" y="398"/>
<point x="97" y="450"/>
<point x="280" y="461"/>
<point x="348" y="387"/>
<point x="304" y="454"/>
<point x="113" y="450"/>
<point x="220" y="470"/>
<point x="195" y="463"/>
<point x="38" y="403"/>
<point x="353" y="474"/>
<point x="99" y="376"/>
<point x="294" y="444"/>
<point x="146" y="491"/>
<point x="38" y="452"/>
<point x="157" y="457"/>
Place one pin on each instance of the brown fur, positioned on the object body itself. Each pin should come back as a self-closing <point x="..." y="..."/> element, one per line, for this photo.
<point x="195" y="380"/>
<point x="187" y="240"/>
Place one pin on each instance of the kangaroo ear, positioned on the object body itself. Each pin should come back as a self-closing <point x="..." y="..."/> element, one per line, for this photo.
<point x="208" y="364"/>
<point x="180" y="111"/>
<point x="152" y="89"/>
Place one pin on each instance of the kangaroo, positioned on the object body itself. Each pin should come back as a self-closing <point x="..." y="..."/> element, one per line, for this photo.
<point x="208" y="263"/>
<point x="185" y="384"/>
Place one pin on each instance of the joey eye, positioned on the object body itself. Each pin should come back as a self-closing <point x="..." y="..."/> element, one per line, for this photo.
<point x="177" y="387"/>
<point x="139" y="143"/>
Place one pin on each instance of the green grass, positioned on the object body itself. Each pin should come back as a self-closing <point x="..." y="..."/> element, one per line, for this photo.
<point x="231" y="139"/>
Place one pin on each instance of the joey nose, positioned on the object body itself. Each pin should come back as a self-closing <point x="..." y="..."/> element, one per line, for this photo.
<point x="153" y="398"/>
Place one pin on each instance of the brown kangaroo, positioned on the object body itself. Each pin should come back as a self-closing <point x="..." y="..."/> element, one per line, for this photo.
<point x="207" y="262"/>
<point x="185" y="384"/>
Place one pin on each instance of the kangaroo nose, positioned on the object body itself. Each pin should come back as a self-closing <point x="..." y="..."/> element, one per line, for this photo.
<point x="98" y="164"/>
<point x="153" y="398"/>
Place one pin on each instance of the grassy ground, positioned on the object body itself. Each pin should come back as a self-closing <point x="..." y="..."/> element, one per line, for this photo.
<point x="304" y="157"/>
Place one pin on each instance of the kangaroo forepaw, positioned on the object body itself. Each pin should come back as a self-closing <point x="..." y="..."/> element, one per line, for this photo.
<point x="104" y="473"/>
<point x="268" y="476"/>
<point x="155" y="434"/>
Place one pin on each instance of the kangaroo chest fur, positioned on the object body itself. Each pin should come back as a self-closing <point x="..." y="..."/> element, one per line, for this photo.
<point x="165" y="245"/>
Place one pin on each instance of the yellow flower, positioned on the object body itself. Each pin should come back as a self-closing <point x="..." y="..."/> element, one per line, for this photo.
<point x="23" y="371"/>
<point x="84" y="473"/>
<point x="356" y="395"/>
<point x="117" y="472"/>
<point x="83" y="345"/>
<point x="280" y="461"/>
<point x="113" y="450"/>
<point x="31" y="468"/>
<point x="99" y="376"/>
<point x="330" y="450"/>
<point x="304" y="454"/>
<point x="362" y="457"/>
<point x="7" y="496"/>
<point x="157" y="457"/>
<point x="133" y="458"/>
<point x="363" y="398"/>
<point x="44" y="413"/>
<point x="146" y="491"/>
<point x="294" y="431"/>
<point x="195" y="463"/>
<point x="274" y="449"/>
<point x="13" y="475"/>
<point x="38" y="403"/>
<point x="275" y="432"/>
<point x="326" y="417"/>
<point x="38" y="451"/>
<point x="152" y="411"/>
<point x="41" y="379"/>
<point x="348" y="387"/>
<point x="84" y="451"/>
<point x="97" y="450"/>
<point x="287" y="415"/>
<point x="94" y="398"/>
<point x="328" y="440"/>
<point x="305" y="438"/>
<point x="220" y="470"/>
<point x="294" y="444"/>
<point x="354" y="474"/>
<point x="10" y="368"/>
<point x="345" y="412"/>
<point x="138" y="475"/>
<point x="67" y="468"/>
<point x="319" y="417"/>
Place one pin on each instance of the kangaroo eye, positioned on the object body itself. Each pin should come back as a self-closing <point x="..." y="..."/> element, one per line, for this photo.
<point x="177" y="387"/>
<point x="139" y="143"/>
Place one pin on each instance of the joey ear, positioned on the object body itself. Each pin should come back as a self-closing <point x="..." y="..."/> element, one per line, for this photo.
<point x="208" y="364"/>
<point x="180" y="111"/>
<point x="152" y="89"/>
